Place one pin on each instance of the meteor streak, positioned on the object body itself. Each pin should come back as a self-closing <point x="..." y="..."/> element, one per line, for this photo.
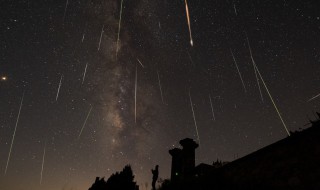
<point x="44" y="154"/>
<point x="85" y="121"/>
<point x="194" y="118"/>
<point x="160" y="86"/>
<point x="59" y="88"/>
<point x="83" y="37"/>
<point x="140" y="63"/>
<point x="313" y="98"/>
<point x="214" y="118"/>
<point x="119" y="28"/>
<point x="190" y="58"/>
<point x="255" y="71"/>
<point x="100" y="37"/>
<point x="188" y="19"/>
<point x="274" y="104"/>
<point x="135" y="95"/>
<point x="84" y="73"/>
<point x="235" y="62"/>
<point x="14" y="134"/>
<point x="235" y="9"/>
<point x="84" y="33"/>
<point x="65" y="10"/>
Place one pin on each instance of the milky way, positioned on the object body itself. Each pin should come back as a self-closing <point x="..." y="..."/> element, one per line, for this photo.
<point x="98" y="97"/>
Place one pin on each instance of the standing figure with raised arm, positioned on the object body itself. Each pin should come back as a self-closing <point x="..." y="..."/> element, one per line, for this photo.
<point x="155" y="174"/>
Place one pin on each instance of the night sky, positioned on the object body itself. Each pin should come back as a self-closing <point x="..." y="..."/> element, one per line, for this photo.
<point x="79" y="92"/>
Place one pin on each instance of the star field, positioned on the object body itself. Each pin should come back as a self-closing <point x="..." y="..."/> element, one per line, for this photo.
<point x="79" y="100"/>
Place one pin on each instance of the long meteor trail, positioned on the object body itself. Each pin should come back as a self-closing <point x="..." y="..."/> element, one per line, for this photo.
<point x="65" y="9"/>
<point x="135" y="95"/>
<point x="160" y="86"/>
<point x="58" y="91"/>
<point x="14" y="134"/>
<point x="84" y="73"/>
<point x="84" y="123"/>
<point x="102" y="31"/>
<point x="274" y="104"/>
<point x="313" y="98"/>
<point x="194" y="118"/>
<point x="213" y="116"/>
<point x="188" y="20"/>
<point x="255" y="71"/>
<point x="42" y="166"/>
<point x="119" y="28"/>
<point x="235" y="62"/>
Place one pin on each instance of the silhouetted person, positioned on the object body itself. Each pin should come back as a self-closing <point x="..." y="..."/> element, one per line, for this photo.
<point x="155" y="174"/>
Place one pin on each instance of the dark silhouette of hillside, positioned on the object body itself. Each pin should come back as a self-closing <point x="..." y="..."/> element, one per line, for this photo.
<point x="117" y="181"/>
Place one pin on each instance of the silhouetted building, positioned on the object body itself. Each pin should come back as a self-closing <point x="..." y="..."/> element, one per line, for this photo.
<point x="188" y="156"/>
<point x="203" y="169"/>
<point x="183" y="161"/>
<point x="176" y="163"/>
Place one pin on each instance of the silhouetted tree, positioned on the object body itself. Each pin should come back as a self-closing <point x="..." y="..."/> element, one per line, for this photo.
<point x="99" y="184"/>
<point x="117" y="181"/>
<point x="165" y="185"/>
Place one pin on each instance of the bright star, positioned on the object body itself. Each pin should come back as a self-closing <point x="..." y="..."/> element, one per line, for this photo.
<point x="4" y="78"/>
